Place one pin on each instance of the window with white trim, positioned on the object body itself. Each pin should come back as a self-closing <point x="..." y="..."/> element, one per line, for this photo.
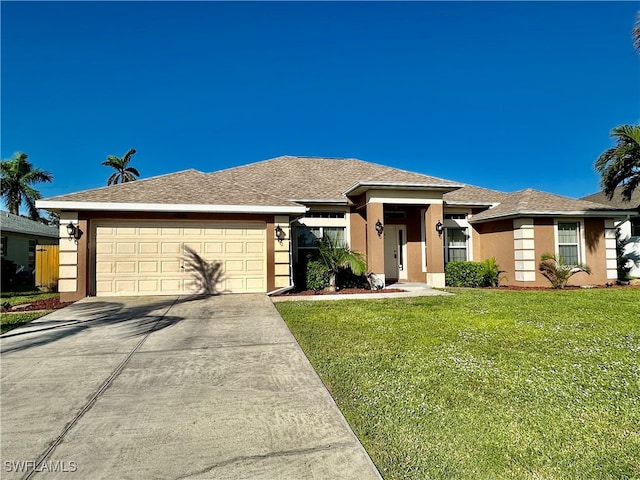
<point x="456" y="240"/>
<point x="569" y="242"/>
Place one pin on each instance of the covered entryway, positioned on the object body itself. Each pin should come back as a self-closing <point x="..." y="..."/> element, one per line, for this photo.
<point x="152" y="258"/>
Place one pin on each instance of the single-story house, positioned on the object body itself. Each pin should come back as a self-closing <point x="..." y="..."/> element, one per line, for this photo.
<point x="629" y="225"/>
<point x="261" y="220"/>
<point x="21" y="236"/>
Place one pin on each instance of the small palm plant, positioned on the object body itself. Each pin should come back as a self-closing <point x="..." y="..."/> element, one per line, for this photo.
<point x="557" y="271"/>
<point x="335" y="255"/>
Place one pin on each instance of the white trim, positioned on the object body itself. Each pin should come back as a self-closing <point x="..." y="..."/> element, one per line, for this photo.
<point x="582" y="244"/>
<point x="359" y="187"/>
<point x="423" y="239"/>
<point x="561" y="213"/>
<point x="167" y="207"/>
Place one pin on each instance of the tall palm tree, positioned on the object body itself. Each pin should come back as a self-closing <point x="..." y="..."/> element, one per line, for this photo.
<point x="17" y="176"/>
<point x="123" y="172"/>
<point x="620" y="165"/>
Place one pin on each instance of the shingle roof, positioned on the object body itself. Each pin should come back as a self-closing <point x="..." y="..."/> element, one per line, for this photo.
<point x="313" y="178"/>
<point x="617" y="201"/>
<point x="472" y="195"/>
<point x="16" y="224"/>
<point x="189" y="187"/>
<point x="535" y="202"/>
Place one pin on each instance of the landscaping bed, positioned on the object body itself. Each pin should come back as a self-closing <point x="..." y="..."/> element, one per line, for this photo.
<point x="343" y="291"/>
<point x="35" y="305"/>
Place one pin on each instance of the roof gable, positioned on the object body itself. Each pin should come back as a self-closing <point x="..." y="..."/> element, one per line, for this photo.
<point x="318" y="179"/>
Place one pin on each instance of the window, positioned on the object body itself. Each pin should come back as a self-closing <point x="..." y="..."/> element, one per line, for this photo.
<point x="455" y="216"/>
<point x="456" y="244"/>
<point x="308" y="236"/>
<point x="324" y="215"/>
<point x="568" y="243"/>
<point x="635" y="227"/>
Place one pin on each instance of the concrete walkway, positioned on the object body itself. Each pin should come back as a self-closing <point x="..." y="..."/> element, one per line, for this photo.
<point x="411" y="289"/>
<point x="169" y="388"/>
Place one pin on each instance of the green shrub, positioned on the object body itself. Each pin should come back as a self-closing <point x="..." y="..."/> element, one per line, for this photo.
<point x="347" y="279"/>
<point x="317" y="275"/>
<point x="491" y="273"/>
<point x="464" y="274"/>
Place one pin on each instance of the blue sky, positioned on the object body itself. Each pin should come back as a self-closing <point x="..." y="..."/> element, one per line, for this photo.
<point x="505" y="95"/>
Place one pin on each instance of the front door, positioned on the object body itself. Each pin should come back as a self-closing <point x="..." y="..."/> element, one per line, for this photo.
<point x="395" y="252"/>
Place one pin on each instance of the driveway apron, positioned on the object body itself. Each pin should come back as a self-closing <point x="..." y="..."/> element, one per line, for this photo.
<point x="169" y="388"/>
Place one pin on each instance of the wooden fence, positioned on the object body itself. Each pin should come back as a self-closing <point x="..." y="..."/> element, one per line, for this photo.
<point x="47" y="265"/>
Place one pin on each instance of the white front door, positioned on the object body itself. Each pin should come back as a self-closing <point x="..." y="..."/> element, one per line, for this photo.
<point x="395" y="252"/>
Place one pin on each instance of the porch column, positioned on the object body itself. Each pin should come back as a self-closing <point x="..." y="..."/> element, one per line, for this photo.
<point x="435" y="246"/>
<point x="375" y="243"/>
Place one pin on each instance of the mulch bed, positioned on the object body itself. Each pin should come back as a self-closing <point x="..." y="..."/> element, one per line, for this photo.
<point x="344" y="291"/>
<point x="568" y="287"/>
<point x="47" y="304"/>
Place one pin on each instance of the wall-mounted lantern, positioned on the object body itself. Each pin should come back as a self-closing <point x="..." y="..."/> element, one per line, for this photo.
<point x="439" y="228"/>
<point x="280" y="234"/>
<point x="379" y="228"/>
<point x="74" y="231"/>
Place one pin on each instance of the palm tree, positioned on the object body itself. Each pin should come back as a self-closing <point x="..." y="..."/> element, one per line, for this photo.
<point x="620" y="165"/>
<point x="123" y="172"/>
<point x="556" y="270"/>
<point x="336" y="256"/>
<point x="17" y="178"/>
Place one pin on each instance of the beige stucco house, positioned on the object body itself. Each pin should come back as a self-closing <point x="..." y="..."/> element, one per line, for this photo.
<point x="260" y="220"/>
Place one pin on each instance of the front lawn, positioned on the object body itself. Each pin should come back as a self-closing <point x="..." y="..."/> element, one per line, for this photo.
<point x="485" y="384"/>
<point x="9" y="321"/>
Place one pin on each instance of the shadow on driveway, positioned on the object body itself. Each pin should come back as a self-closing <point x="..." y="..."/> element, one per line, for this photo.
<point x="138" y="315"/>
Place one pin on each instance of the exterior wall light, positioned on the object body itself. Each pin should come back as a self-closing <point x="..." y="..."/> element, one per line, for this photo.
<point x="74" y="231"/>
<point x="439" y="228"/>
<point x="280" y="234"/>
<point x="379" y="228"/>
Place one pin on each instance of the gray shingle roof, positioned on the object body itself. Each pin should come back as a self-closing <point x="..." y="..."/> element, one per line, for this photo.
<point x="534" y="202"/>
<point x="472" y="195"/>
<point x="16" y="224"/>
<point x="189" y="187"/>
<point x="313" y="178"/>
<point x="617" y="201"/>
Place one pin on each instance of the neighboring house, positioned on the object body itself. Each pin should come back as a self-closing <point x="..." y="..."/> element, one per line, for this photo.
<point x="20" y="237"/>
<point x="629" y="225"/>
<point x="134" y="235"/>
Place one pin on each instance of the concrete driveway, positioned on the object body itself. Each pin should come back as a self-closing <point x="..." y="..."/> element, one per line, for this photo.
<point x="169" y="387"/>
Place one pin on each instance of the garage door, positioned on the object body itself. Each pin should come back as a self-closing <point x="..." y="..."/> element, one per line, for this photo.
<point x="153" y="259"/>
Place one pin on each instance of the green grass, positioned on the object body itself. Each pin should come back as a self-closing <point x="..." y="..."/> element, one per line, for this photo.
<point x="9" y="321"/>
<point x="485" y="384"/>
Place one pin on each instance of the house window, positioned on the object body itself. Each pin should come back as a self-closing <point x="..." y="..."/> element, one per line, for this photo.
<point x="635" y="227"/>
<point x="568" y="242"/>
<point x="308" y="236"/>
<point x="324" y="215"/>
<point x="455" y="244"/>
<point x="455" y="216"/>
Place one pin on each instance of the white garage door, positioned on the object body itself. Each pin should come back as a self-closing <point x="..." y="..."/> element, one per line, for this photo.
<point x="138" y="258"/>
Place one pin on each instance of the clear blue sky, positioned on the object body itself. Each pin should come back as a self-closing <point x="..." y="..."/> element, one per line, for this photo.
<point x="505" y="95"/>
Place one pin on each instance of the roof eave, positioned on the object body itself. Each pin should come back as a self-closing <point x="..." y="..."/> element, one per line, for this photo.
<point x="328" y="201"/>
<point x="559" y="213"/>
<point x="165" y="207"/>
<point x="361" y="187"/>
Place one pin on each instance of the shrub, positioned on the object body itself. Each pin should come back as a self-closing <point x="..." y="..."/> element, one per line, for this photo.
<point x="317" y="275"/>
<point x="556" y="270"/>
<point x="491" y="273"/>
<point x="464" y="274"/>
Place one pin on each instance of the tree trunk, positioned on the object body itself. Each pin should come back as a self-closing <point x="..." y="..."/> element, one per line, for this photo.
<point x="332" y="282"/>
